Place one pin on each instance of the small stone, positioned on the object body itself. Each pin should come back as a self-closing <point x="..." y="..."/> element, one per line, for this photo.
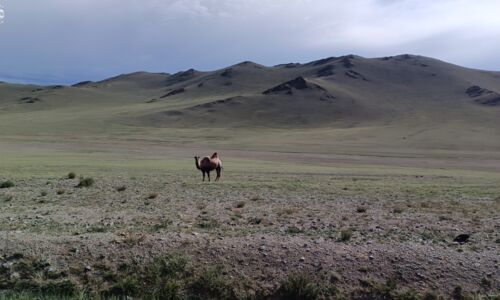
<point x="88" y="268"/>
<point x="335" y="277"/>
<point x="302" y="259"/>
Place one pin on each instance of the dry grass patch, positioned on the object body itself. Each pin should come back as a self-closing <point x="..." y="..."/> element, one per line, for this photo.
<point x="288" y="211"/>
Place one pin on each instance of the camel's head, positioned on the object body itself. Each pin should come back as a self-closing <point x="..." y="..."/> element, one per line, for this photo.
<point x="196" y="157"/>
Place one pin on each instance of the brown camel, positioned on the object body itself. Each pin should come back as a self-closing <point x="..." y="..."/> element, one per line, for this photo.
<point x="209" y="163"/>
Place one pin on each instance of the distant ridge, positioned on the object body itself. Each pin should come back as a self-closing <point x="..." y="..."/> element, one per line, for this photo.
<point x="410" y="96"/>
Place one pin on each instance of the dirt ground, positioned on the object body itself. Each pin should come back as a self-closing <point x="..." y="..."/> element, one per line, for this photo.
<point x="349" y="225"/>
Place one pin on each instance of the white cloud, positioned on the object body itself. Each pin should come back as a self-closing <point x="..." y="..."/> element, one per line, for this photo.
<point x="92" y="39"/>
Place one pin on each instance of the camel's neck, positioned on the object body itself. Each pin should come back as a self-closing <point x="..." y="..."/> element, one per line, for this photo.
<point x="197" y="163"/>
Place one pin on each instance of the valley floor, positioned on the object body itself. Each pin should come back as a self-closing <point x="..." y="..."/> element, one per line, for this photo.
<point x="348" y="224"/>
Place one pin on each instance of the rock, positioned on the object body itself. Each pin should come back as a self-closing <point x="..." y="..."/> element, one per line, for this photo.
<point x="298" y="83"/>
<point x="319" y="241"/>
<point x="476" y="91"/>
<point x="335" y="277"/>
<point x="302" y="259"/>
<point x="325" y="71"/>
<point x="15" y="276"/>
<point x="88" y="268"/>
<point x="462" y="238"/>
<point x="174" y="92"/>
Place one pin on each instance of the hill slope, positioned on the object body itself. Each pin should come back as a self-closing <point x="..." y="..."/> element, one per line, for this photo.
<point x="407" y="99"/>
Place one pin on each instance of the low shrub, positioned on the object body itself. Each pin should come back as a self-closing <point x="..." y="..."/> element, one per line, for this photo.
<point x="299" y="287"/>
<point x="121" y="188"/>
<point x="345" y="235"/>
<point x="86" y="182"/>
<point x="6" y="184"/>
<point x="361" y="209"/>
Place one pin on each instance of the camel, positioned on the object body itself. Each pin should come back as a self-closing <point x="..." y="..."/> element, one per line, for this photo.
<point x="209" y="163"/>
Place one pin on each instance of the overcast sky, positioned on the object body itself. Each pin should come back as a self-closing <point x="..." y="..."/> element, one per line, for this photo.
<point x="66" y="41"/>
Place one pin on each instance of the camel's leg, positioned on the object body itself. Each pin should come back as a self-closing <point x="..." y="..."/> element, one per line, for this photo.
<point x="203" y="175"/>
<point x="208" y="176"/>
<point x="218" y="174"/>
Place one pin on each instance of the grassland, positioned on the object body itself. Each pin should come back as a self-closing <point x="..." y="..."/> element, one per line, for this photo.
<point x="356" y="228"/>
<point x="352" y="184"/>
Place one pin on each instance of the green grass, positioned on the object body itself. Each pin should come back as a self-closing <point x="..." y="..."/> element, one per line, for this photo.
<point x="304" y="286"/>
<point x="208" y="223"/>
<point x="176" y="276"/>
<point x="387" y="290"/>
<point x="294" y="230"/>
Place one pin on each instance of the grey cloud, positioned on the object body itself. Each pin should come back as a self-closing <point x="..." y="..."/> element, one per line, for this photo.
<point x="67" y="41"/>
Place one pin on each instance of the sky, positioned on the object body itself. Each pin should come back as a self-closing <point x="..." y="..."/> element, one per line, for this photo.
<point x="64" y="42"/>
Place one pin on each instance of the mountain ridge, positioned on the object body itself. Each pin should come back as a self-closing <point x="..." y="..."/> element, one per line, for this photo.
<point x="409" y="96"/>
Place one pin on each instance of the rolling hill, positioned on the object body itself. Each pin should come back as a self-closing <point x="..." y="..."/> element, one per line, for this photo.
<point x="400" y="101"/>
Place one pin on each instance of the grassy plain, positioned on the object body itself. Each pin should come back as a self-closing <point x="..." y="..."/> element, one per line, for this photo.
<point x="353" y="225"/>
